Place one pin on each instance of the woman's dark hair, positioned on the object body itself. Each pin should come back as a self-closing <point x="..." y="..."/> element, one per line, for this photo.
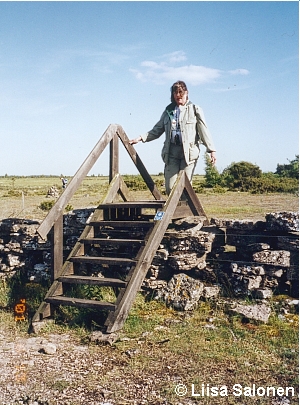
<point x="179" y="85"/>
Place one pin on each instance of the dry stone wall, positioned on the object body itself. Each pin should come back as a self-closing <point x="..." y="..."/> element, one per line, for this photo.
<point x="227" y="258"/>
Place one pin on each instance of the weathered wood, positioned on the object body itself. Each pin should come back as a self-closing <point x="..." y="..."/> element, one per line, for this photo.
<point x="84" y="169"/>
<point x="133" y="204"/>
<point x="44" y="311"/>
<point x="113" y="261"/>
<point x="105" y="241"/>
<point x="139" y="164"/>
<point x="194" y="201"/>
<point x="135" y="279"/>
<point x="123" y="190"/>
<point x="122" y="224"/>
<point x="182" y="210"/>
<point x="114" y="157"/>
<point x="113" y="189"/>
<point x="57" y="248"/>
<point x="103" y="281"/>
<point x="80" y="302"/>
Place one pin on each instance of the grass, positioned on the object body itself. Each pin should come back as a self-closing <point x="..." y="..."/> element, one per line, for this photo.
<point x="21" y="197"/>
<point x="158" y="347"/>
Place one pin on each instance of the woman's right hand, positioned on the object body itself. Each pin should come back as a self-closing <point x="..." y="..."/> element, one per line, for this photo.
<point x="136" y="140"/>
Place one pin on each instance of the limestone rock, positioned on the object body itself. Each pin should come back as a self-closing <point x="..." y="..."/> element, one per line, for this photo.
<point x="274" y="257"/>
<point x="182" y="292"/>
<point x="283" y="221"/>
<point x="99" y="337"/>
<point x="211" y="291"/>
<point x="184" y="261"/>
<point x="258" y="312"/>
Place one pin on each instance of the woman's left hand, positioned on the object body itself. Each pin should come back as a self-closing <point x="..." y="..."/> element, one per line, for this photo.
<point x="213" y="158"/>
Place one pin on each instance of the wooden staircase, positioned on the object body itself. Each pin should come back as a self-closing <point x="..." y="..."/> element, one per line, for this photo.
<point x="116" y="248"/>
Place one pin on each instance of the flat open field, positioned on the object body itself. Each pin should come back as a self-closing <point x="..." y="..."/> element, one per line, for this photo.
<point x="20" y="197"/>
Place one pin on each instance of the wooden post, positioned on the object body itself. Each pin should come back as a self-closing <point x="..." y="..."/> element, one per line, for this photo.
<point x="113" y="157"/>
<point x="57" y="248"/>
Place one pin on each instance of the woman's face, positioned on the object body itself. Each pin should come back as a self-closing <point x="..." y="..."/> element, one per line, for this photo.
<point x="180" y="96"/>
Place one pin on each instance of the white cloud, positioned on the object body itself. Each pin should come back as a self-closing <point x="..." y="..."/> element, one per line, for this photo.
<point x="161" y="72"/>
<point x="169" y="70"/>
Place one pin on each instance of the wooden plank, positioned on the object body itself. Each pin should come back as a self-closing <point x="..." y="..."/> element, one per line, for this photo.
<point x="113" y="157"/>
<point x="123" y="190"/>
<point x="84" y="169"/>
<point x="43" y="311"/>
<point x="104" y="281"/>
<point x="123" y="224"/>
<point x="113" y="261"/>
<point x="154" y="204"/>
<point x="80" y="302"/>
<point x="57" y="248"/>
<point x="106" y="241"/>
<point x="182" y="210"/>
<point x="193" y="200"/>
<point x="113" y="189"/>
<point x="139" y="164"/>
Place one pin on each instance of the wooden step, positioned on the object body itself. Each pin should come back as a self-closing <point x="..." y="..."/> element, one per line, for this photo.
<point x="113" y="261"/>
<point x="103" y="281"/>
<point x="133" y="204"/>
<point x="123" y="224"/>
<point x="112" y="241"/>
<point x="80" y="302"/>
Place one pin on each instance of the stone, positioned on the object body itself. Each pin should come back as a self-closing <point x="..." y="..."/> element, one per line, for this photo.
<point x="290" y="243"/>
<point x="190" y="222"/>
<point x="274" y="257"/>
<point x="263" y="293"/>
<point x="199" y="242"/>
<point x="247" y="269"/>
<point x="99" y="337"/>
<point x="257" y="312"/>
<point x="14" y="261"/>
<point x="37" y="327"/>
<point x="283" y="221"/>
<point x="48" y="348"/>
<point x="182" y="292"/>
<point x="211" y="291"/>
<point x="184" y="261"/>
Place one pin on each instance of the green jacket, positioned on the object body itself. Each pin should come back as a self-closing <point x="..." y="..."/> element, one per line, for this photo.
<point x="193" y="130"/>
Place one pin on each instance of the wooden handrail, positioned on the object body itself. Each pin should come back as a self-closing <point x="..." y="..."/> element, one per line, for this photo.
<point x="111" y="136"/>
<point x="84" y="169"/>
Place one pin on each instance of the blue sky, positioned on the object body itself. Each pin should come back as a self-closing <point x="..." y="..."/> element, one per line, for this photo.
<point x="69" y="69"/>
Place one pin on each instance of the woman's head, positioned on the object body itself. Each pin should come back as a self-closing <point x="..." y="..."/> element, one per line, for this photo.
<point x="179" y="93"/>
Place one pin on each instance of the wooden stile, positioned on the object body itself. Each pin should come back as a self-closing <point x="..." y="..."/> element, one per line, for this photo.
<point x="124" y="235"/>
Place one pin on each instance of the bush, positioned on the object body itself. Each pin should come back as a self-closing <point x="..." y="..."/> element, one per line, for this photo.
<point x="46" y="205"/>
<point x="238" y="174"/>
<point x="290" y="170"/>
<point x="135" y="183"/>
<point x="267" y="184"/>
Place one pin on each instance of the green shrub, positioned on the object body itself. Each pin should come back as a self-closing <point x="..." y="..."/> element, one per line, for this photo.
<point x="289" y="170"/>
<point x="135" y="183"/>
<point x="69" y="207"/>
<point x="46" y="205"/>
